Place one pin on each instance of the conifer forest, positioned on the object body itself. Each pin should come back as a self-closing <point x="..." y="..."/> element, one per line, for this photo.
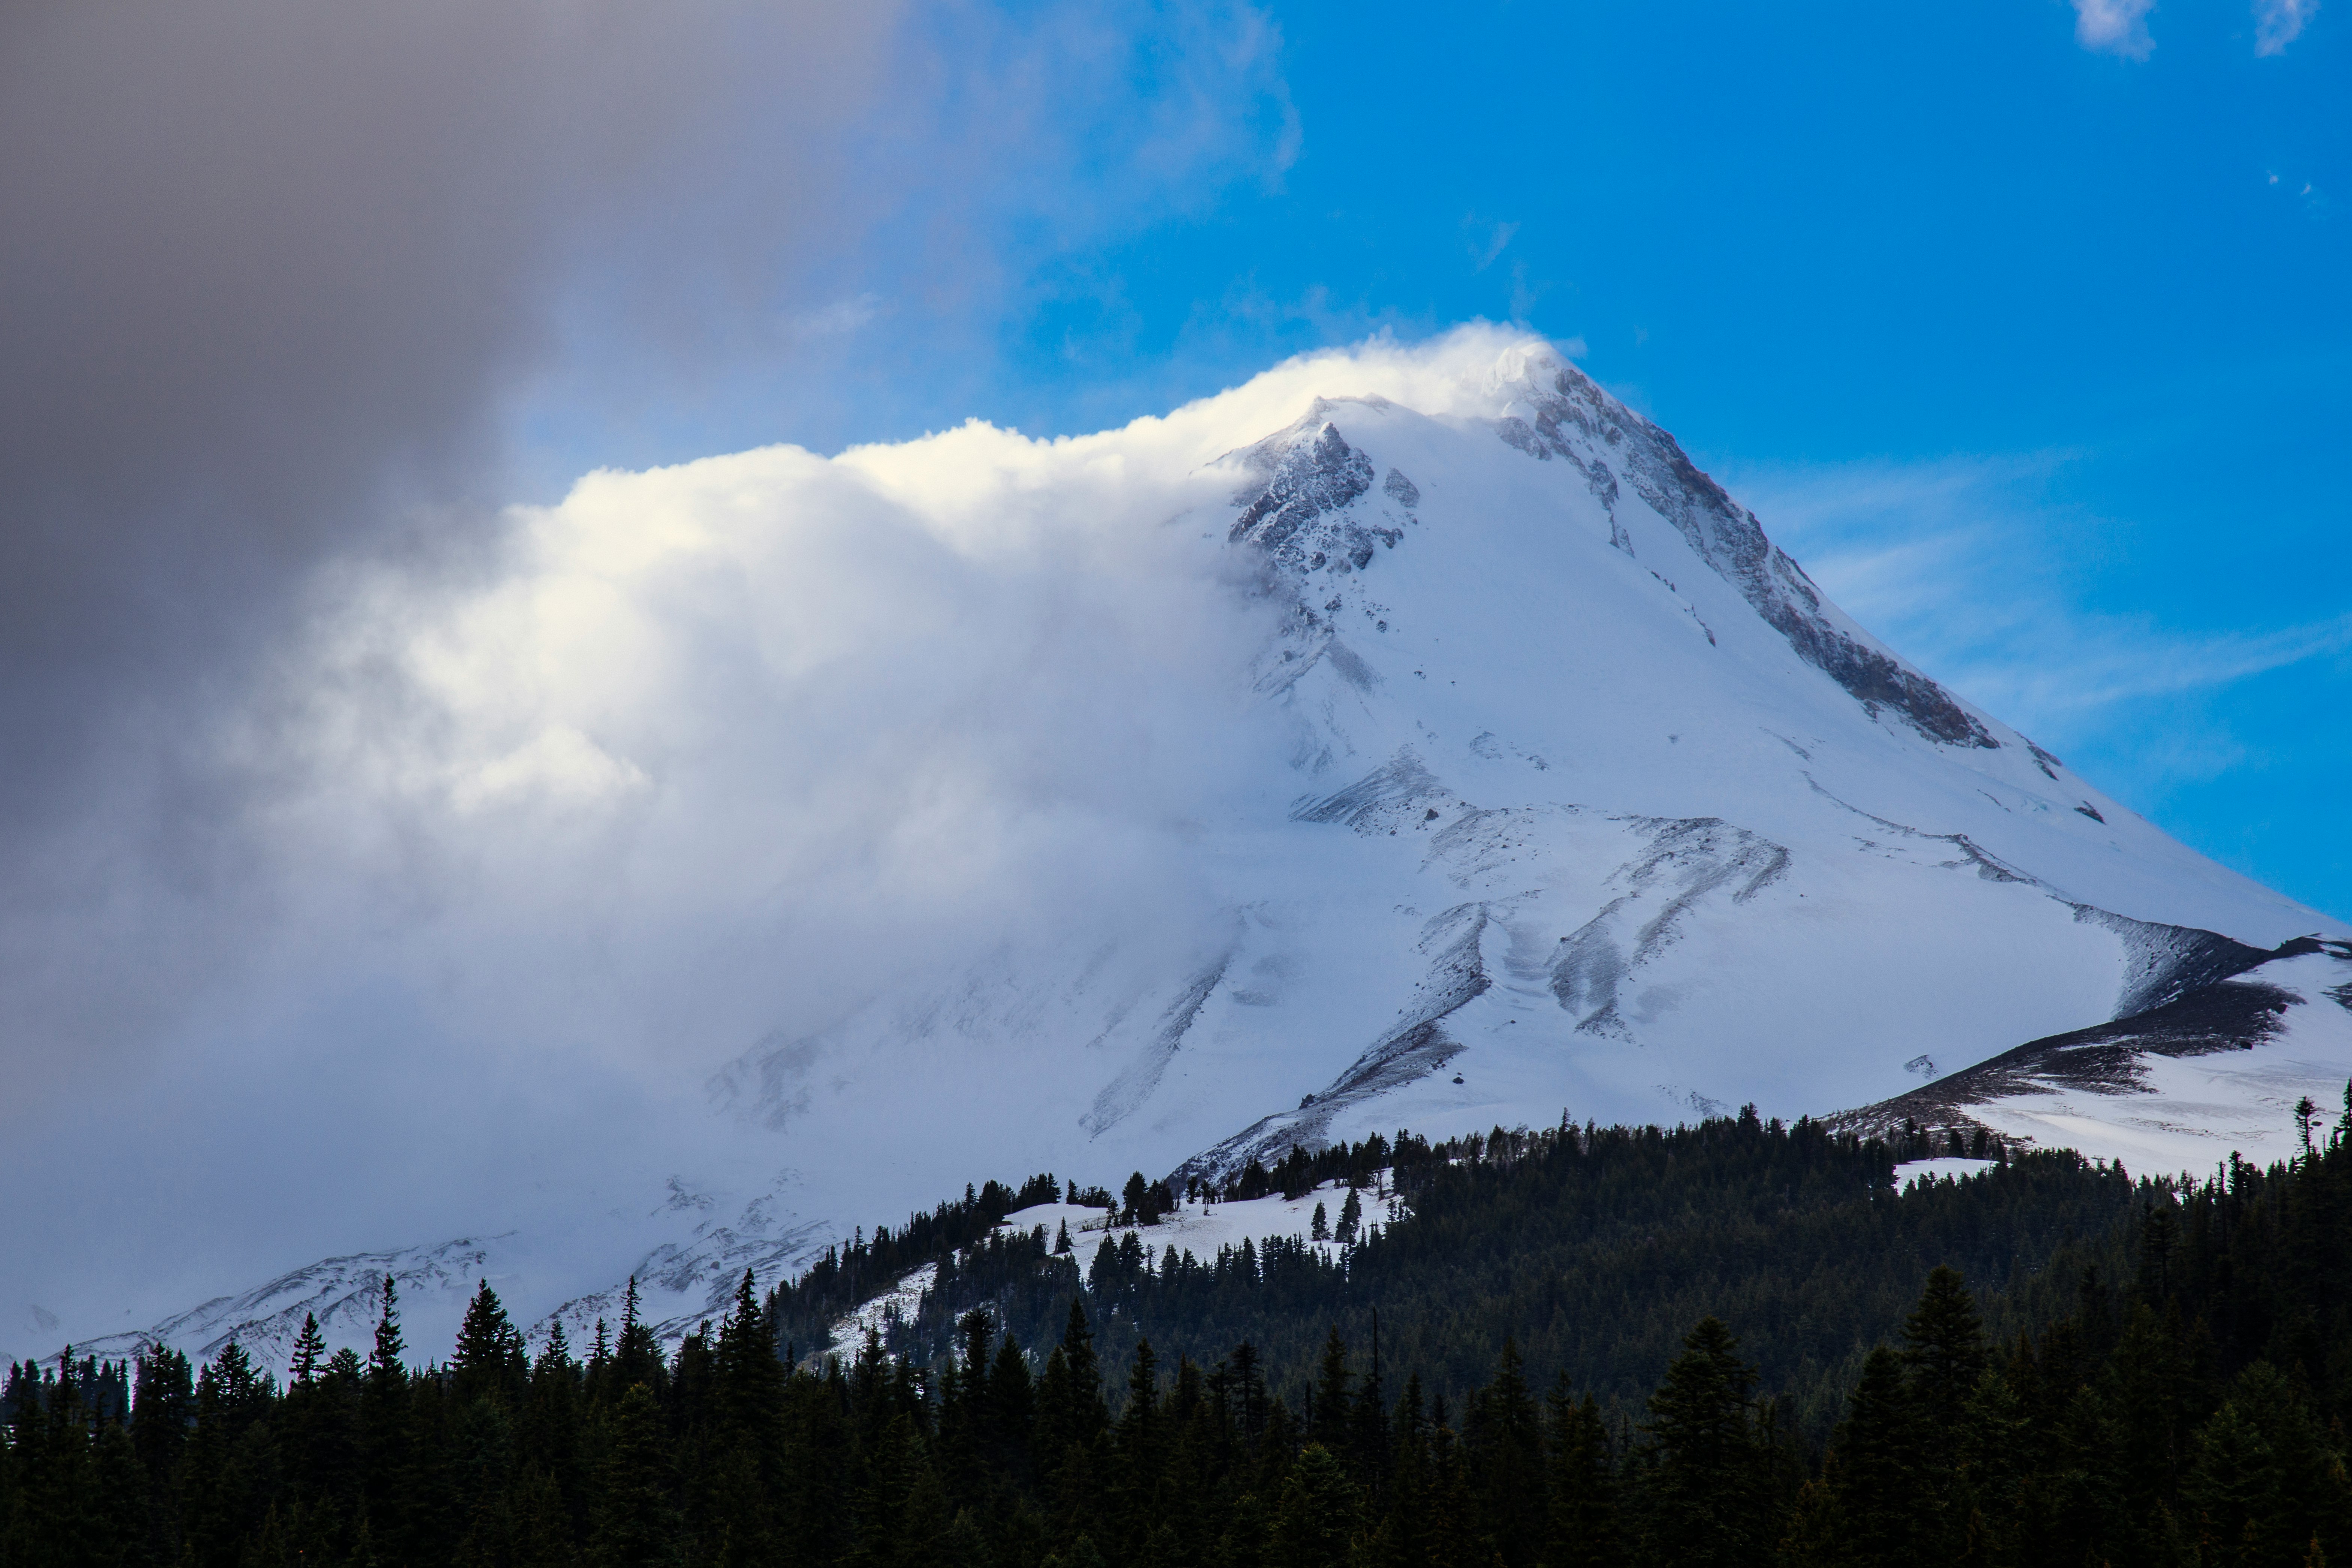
<point x="1734" y="1343"/>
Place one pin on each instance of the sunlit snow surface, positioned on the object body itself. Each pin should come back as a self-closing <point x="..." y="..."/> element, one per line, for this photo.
<point x="1203" y="1229"/>
<point x="1943" y="1168"/>
<point x="1575" y="818"/>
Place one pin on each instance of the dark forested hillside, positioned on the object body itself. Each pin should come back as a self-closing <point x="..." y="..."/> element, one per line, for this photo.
<point x="2142" y="1372"/>
<point x="1593" y="1250"/>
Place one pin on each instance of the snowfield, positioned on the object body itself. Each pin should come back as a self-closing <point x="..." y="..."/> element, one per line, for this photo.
<point x="1943" y="1168"/>
<point x="1204" y="1228"/>
<point x="1588" y="803"/>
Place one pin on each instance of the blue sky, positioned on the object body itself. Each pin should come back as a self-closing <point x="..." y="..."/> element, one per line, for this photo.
<point x="2026" y="327"/>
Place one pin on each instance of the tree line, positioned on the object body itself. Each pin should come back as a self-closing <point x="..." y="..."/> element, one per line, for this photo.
<point x="2170" y="1391"/>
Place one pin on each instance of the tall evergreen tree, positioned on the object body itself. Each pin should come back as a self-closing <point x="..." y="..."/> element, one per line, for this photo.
<point x="490" y="1360"/>
<point x="1332" y="1423"/>
<point x="1316" y="1521"/>
<point x="386" y="1360"/>
<point x="749" y="1436"/>
<point x="1944" y="1347"/>
<point x="634" y="1519"/>
<point x="1503" y="1446"/>
<point x="636" y="1354"/>
<point x="1585" y="1527"/>
<point x="1707" y="1469"/>
<point x="1881" y="1492"/>
<point x="309" y="1351"/>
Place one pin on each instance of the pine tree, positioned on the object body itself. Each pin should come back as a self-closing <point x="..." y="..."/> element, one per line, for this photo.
<point x="490" y="1360"/>
<point x="1503" y="1446"/>
<point x="164" y="1405"/>
<point x="62" y="1496"/>
<point x="1317" y="1519"/>
<point x="1329" y="1422"/>
<point x="750" y="1438"/>
<point x="1703" y="1487"/>
<point x="1880" y="1490"/>
<point x="389" y="1347"/>
<point x="1944" y="1347"/>
<point x="635" y="1520"/>
<point x="1139" y="1433"/>
<point x="383" y="1421"/>
<point x="1082" y="1417"/>
<point x="1585" y="1527"/>
<point x="1351" y="1215"/>
<point x="310" y="1349"/>
<point x="636" y="1354"/>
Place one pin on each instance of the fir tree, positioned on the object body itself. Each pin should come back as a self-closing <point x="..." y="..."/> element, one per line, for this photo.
<point x="310" y="1349"/>
<point x="1705" y="1481"/>
<point x="1944" y="1347"/>
<point x="384" y="1361"/>
<point x="1330" y="1424"/>
<point x="1881" y="1493"/>
<point x="1503" y="1446"/>
<point x="1317" y="1521"/>
<point x="636" y="1354"/>
<point x="490" y="1359"/>
<point x="750" y="1434"/>
<point x="1583" y="1527"/>
<point x="634" y="1519"/>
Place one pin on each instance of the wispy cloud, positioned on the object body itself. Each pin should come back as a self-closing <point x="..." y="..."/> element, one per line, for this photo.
<point x="2120" y="27"/>
<point x="2278" y="23"/>
<point x="1967" y="568"/>
<point x="1485" y="250"/>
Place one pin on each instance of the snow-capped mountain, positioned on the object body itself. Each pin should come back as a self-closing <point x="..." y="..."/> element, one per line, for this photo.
<point x="1593" y="805"/>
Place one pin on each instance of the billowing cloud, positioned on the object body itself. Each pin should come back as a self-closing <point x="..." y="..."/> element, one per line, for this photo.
<point x="2115" y="26"/>
<point x="695" y="756"/>
<point x="281" y="284"/>
<point x="293" y="298"/>
<point x="2278" y="23"/>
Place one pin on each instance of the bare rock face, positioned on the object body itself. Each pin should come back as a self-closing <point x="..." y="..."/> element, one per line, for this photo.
<point x="1301" y="517"/>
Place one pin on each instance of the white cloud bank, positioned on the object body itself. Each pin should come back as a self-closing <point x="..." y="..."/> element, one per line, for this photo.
<point x="713" y="750"/>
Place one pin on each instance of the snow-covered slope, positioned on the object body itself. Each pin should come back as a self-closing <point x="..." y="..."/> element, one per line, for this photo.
<point x="1593" y="806"/>
<point x="1597" y="806"/>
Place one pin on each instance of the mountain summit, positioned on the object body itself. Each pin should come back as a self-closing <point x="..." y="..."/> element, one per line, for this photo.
<point x="1587" y="802"/>
<point x="1597" y="802"/>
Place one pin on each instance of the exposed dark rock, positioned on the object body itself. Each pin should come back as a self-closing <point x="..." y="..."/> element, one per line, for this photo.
<point x="2187" y="1007"/>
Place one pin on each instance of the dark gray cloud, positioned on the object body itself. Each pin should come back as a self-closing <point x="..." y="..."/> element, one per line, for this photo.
<point x="277" y="277"/>
<point x="268" y="269"/>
